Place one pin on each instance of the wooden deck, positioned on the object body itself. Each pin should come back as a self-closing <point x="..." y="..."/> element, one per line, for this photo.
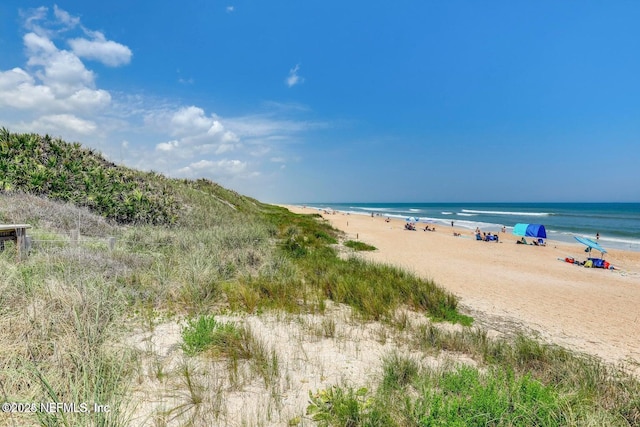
<point x="17" y="233"/>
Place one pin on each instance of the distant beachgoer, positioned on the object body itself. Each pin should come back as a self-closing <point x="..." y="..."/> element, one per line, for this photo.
<point x="452" y="223"/>
<point x="597" y="236"/>
<point x="504" y="229"/>
<point x="477" y="230"/>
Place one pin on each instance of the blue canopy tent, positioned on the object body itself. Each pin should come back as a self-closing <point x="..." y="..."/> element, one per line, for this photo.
<point x="530" y="230"/>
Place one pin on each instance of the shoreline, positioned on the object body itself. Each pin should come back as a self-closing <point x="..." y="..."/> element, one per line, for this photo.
<point x="468" y="223"/>
<point x="589" y="310"/>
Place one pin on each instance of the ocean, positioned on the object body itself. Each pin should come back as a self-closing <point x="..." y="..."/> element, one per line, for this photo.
<point x="618" y="224"/>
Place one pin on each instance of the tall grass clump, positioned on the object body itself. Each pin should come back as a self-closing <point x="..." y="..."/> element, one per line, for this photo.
<point x="206" y="333"/>
<point x="57" y="342"/>
<point x="359" y="246"/>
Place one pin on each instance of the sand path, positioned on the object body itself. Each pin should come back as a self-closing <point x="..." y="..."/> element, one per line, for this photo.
<point x="591" y="310"/>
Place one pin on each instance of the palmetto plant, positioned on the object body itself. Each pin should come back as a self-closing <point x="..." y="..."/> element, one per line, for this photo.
<point x="69" y="172"/>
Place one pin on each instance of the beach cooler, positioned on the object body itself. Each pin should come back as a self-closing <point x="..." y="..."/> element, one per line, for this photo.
<point x="597" y="262"/>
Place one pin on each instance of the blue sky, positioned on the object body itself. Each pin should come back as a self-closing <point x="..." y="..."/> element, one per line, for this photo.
<point x="309" y="101"/>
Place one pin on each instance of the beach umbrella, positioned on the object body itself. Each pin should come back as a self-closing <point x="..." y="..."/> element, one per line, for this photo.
<point x="411" y="219"/>
<point x="590" y="245"/>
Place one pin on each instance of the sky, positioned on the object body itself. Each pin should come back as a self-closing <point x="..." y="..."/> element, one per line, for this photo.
<point x="326" y="101"/>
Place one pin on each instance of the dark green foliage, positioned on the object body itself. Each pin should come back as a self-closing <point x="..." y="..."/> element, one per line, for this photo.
<point x="68" y="172"/>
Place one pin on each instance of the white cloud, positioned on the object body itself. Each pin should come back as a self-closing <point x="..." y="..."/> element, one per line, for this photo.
<point x="99" y="49"/>
<point x="224" y="168"/>
<point x="189" y="121"/>
<point x="195" y="133"/>
<point x="20" y="90"/>
<point x="64" y="123"/>
<point x="230" y="9"/>
<point x="65" y="18"/>
<point x="55" y="81"/>
<point x="293" y="78"/>
<point x="167" y="146"/>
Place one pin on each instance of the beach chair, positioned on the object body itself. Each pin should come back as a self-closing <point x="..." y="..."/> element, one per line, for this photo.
<point x="541" y="242"/>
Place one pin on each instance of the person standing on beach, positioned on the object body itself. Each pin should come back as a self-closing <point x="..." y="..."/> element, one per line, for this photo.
<point x="451" y="223"/>
<point x="597" y="236"/>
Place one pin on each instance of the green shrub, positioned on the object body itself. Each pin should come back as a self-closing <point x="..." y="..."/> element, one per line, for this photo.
<point x="359" y="246"/>
<point x="206" y="333"/>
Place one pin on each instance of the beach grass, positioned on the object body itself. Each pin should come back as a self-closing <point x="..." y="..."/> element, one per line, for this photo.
<point x="359" y="246"/>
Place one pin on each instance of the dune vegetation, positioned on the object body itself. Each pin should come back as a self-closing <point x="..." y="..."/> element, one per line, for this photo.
<point x="146" y="300"/>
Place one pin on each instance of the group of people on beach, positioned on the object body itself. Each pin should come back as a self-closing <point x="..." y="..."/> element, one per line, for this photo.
<point x="487" y="237"/>
<point x="412" y="226"/>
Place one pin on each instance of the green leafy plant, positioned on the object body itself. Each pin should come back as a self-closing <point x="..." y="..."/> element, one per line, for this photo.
<point x="359" y="246"/>
<point x="205" y="332"/>
<point x="337" y="407"/>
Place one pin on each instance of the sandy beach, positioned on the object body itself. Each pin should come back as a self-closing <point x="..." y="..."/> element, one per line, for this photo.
<point x="506" y="285"/>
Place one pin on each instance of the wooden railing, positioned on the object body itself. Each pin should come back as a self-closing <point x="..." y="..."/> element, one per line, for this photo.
<point x="16" y="233"/>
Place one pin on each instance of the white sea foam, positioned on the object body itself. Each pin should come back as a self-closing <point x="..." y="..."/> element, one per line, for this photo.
<point x="446" y="213"/>
<point x="366" y="208"/>
<point x="507" y="213"/>
<point x="466" y="214"/>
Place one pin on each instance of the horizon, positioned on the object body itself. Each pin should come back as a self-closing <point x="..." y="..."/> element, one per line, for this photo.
<point x="457" y="101"/>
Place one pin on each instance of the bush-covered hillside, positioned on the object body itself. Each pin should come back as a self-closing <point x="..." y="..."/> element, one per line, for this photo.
<point x="69" y="172"/>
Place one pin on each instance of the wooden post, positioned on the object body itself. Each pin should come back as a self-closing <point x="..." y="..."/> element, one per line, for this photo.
<point x="74" y="237"/>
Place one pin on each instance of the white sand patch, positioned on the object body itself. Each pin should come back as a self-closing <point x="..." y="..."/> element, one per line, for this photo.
<point x="313" y="352"/>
